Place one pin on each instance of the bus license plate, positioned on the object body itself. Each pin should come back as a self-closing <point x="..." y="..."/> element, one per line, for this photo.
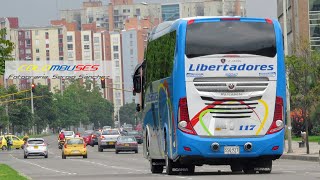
<point x="231" y="150"/>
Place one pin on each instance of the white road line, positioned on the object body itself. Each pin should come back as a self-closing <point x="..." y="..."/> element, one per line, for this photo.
<point x="289" y="171"/>
<point x="42" y="167"/>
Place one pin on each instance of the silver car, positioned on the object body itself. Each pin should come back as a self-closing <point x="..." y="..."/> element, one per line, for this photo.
<point x="35" y="147"/>
<point x="108" y="139"/>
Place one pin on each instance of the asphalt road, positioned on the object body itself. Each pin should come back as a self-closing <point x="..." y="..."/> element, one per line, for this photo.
<point x="108" y="165"/>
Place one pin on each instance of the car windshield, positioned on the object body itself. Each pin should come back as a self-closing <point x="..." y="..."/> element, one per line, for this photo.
<point x="127" y="139"/>
<point x="110" y="132"/>
<point x="133" y="133"/>
<point x="35" y="142"/>
<point x="68" y="133"/>
<point x="75" y="141"/>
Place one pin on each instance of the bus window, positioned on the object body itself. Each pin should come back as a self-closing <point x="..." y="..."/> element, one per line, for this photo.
<point x="233" y="37"/>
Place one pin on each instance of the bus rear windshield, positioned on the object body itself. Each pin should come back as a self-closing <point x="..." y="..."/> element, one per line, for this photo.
<point x="232" y="37"/>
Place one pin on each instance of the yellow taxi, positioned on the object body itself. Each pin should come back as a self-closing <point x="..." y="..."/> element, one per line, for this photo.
<point x="17" y="142"/>
<point x="3" y="143"/>
<point x="74" y="147"/>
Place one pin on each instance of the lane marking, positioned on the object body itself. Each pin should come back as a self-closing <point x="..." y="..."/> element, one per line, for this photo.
<point x="42" y="167"/>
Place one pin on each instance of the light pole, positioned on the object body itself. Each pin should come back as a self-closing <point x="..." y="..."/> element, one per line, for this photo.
<point x="285" y="37"/>
<point x="32" y="107"/>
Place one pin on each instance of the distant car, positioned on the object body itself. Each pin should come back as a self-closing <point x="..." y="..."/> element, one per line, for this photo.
<point x="136" y="134"/>
<point x="108" y="139"/>
<point x="69" y="134"/>
<point x="35" y="147"/>
<point x="3" y="143"/>
<point x="126" y="143"/>
<point x="17" y="142"/>
<point x="106" y="127"/>
<point x="74" y="147"/>
<point x="87" y="137"/>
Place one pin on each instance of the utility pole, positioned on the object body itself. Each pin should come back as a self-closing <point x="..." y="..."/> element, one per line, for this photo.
<point x="285" y="35"/>
<point x="32" y="111"/>
<point x="119" y="118"/>
<point x="7" y="110"/>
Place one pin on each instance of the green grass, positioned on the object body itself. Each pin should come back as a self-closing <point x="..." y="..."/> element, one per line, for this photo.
<point x="7" y="173"/>
<point x="311" y="138"/>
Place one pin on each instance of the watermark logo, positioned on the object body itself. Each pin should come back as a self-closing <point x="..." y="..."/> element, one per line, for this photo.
<point x="57" y="69"/>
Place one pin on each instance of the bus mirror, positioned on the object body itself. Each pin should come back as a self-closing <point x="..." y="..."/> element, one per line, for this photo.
<point x="137" y="84"/>
<point x="138" y="108"/>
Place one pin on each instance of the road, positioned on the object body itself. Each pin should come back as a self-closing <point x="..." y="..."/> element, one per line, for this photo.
<point x="108" y="165"/>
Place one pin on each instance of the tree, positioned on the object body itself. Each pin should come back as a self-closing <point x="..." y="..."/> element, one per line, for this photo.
<point x="129" y="115"/>
<point x="304" y="75"/>
<point x="6" y="48"/>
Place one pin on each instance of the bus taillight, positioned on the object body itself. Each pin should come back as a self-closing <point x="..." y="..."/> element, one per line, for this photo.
<point x="269" y="21"/>
<point x="277" y="123"/>
<point x="184" y="123"/>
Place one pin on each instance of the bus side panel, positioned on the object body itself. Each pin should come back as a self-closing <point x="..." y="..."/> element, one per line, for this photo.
<point x="179" y="90"/>
<point x="151" y="120"/>
<point x="281" y="82"/>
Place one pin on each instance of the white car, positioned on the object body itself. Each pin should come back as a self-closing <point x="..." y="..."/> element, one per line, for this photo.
<point x="69" y="134"/>
<point x="108" y="139"/>
<point x="35" y="147"/>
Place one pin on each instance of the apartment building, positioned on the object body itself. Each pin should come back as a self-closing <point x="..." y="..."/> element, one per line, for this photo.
<point x="303" y="17"/>
<point x="117" y="76"/>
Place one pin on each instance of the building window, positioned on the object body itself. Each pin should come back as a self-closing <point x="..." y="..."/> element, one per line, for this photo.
<point x="70" y="46"/>
<point x="131" y="43"/>
<point x="21" y="51"/>
<point x="61" y="58"/>
<point x="28" y="42"/>
<point x="138" y="12"/>
<point x="116" y="12"/>
<point x="115" y="56"/>
<point x="115" y="48"/>
<point x="117" y="63"/>
<point x="28" y="51"/>
<point x="37" y="50"/>
<point x="96" y="40"/>
<point x="87" y="54"/>
<point x="47" y="35"/>
<point x="86" y="37"/>
<point x="27" y="34"/>
<point x="131" y="36"/>
<point x="69" y="38"/>
<point x="37" y="58"/>
<point x="37" y="42"/>
<point x="97" y="47"/>
<point x="60" y="49"/>
<point x="131" y="51"/>
<point x="86" y="47"/>
<point x="97" y="55"/>
<point x="117" y="79"/>
<point x="47" y="41"/>
<point x="36" y="32"/>
<point x="124" y="11"/>
<point x="60" y="40"/>
<point x="70" y="54"/>
<point x="48" y="58"/>
<point x="47" y="52"/>
<point x="59" y="31"/>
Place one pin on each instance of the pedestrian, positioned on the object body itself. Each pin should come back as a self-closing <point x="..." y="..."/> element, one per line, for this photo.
<point x="9" y="143"/>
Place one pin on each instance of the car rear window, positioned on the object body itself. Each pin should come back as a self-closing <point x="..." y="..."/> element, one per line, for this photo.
<point x="230" y="37"/>
<point x="35" y="142"/>
<point x="110" y="132"/>
<point x="127" y="139"/>
<point x="68" y="133"/>
<point x="75" y="141"/>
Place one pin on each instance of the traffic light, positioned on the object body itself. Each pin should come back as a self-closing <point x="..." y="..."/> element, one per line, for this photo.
<point x="33" y="87"/>
<point x="103" y="83"/>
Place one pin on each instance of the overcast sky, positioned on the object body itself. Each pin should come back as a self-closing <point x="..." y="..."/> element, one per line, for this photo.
<point x="40" y="12"/>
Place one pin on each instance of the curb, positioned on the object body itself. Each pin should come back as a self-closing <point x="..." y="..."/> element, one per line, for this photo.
<point x="300" y="157"/>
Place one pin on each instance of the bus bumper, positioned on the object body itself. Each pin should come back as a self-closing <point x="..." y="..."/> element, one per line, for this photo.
<point x="191" y="147"/>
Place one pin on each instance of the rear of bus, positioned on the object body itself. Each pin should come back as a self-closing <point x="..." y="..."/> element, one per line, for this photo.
<point x="234" y="100"/>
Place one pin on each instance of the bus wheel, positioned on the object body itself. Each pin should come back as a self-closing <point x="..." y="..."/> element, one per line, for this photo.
<point x="236" y="168"/>
<point x="248" y="169"/>
<point x="155" y="169"/>
<point x="266" y="167"/>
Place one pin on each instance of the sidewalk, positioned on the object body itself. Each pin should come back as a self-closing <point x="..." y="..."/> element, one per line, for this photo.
<point x="301" y="153"/>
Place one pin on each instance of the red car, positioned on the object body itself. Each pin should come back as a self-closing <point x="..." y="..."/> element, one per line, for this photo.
<point x="88" y="139"/>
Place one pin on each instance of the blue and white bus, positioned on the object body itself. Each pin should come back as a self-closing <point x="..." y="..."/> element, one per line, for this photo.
<point x="213" y="92"/>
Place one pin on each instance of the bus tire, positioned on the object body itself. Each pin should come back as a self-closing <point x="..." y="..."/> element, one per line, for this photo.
<point x="156" y="169"/>
<point x="236" y="168"/>
<point x="267" y="167"/>
<point x="248" y="169"/>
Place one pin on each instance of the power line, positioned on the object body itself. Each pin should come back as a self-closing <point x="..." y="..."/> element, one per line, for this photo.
<point x="15" y="93"/>
<point x="21" y="99"/>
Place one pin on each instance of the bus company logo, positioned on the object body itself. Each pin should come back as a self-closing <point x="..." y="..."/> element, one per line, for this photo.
<point x="231" y="67"/>
<point x="231" y="86"/>
<point x="223" y="61"/>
